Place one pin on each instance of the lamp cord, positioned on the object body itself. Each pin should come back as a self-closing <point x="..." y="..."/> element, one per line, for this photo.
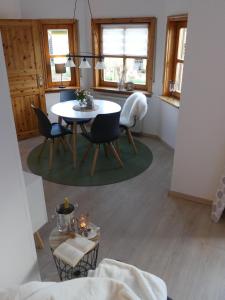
<point x="75" y="8"/>
<point x="89" y="6"/>
<point x="90" y="11"/>
<point x="95" y="34"/>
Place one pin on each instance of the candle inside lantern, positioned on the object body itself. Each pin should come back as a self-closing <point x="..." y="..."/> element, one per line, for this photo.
<point x="82" y="224"/>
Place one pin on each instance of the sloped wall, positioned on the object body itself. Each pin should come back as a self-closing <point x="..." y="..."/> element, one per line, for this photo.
<point x="200" y="149"/>
<point x="18" y="258"/>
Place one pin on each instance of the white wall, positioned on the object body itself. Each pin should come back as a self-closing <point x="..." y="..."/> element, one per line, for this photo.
<point x="51" y="99"/>
<point x="176" y="7"/>
<point x="200" y="149"/>
<point x="168" y="115"/>
<point x="10" y="9"/>
<point x="18" y="259"/>
<point x="168" y="123"/>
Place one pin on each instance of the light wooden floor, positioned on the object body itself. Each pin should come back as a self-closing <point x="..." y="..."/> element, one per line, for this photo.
<point x="140" y="225"/>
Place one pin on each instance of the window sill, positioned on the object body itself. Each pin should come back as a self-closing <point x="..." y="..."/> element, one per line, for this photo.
<point x="116" y="91"/>
<point x="170" y="100"/>
<point x="57" y="89"/>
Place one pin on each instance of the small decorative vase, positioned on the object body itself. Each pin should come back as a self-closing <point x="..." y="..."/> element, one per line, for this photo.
<point x="121" y="83"/>
<point x="90" y="101"/>
<point x="82" y="103"/>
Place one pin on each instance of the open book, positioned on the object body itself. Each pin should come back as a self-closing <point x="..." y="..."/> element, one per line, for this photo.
<point x="72" y="250"/>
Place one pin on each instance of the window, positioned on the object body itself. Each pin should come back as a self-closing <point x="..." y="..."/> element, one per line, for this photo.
<point x="59" y="39"/>
<point x="174" y="57"/>
<point x="127" y="46"/>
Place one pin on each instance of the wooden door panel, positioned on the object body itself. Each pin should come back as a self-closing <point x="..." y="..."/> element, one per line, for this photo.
<point x="19" y="48"/>
<point x="25" y="83"/>
<point x="25" y="119"/>
<point x="21" y="43"/>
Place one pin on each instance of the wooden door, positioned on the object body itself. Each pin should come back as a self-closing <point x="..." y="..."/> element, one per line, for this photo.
<point x="22" y="49"/>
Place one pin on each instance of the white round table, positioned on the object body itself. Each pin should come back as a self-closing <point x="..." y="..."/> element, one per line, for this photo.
<point x="66" y="110"/>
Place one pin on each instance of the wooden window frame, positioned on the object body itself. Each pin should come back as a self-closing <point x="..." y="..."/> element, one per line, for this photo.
<point x="72" y="26"/>
<point x="99" y="83"/>
<point x="174" y="23"/>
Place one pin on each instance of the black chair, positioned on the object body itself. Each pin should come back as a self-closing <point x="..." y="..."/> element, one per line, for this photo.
<point x="67" y="96"/>
<point x="104" y="130"/>
<point x="51" y="131"/>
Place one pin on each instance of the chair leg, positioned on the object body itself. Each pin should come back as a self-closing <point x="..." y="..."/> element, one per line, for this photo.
<point x="51" y="149"/>
<point x="117" y="146"/>
<point x="86" y="153"/>
<point x="95" y="160"/>
<point x="116" y="155"/>
<point x="68" y="144"/>
<point x="38" y="240"/>
<point x="74" y="143"/>
<point x="71" y="136"/>
<point x="131" y="140"/>
<point x="128" y="136"/>
<point x="60" y="120"/>
<point x="42" y="147"/>
<point x="83" y="128"/>
<point x="56" y="145"/>
<point x="62" y="140"/>
<point x="106" y="150"/>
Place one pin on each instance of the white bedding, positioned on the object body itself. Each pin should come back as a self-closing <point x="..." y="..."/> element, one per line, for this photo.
<point x="112" y="280"/>
<point x="144" y="285"/>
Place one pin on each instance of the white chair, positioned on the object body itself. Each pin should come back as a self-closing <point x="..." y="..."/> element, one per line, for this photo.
<point x="134" y="109"/>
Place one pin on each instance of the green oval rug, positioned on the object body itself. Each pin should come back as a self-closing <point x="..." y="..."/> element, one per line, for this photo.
<point x="107" y="169"/>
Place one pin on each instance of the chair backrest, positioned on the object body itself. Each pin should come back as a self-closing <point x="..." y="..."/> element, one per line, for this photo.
<point x="44" y="125"/>
<point x="105" y="127"/>
<point x="67" y="95"/>
<point x="134" y="109"/>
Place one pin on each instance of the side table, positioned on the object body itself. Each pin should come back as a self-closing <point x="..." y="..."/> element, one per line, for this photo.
<point x="88" y="261"/>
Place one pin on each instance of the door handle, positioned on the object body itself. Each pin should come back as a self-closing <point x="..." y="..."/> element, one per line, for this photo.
<point x="40" y="81"/>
